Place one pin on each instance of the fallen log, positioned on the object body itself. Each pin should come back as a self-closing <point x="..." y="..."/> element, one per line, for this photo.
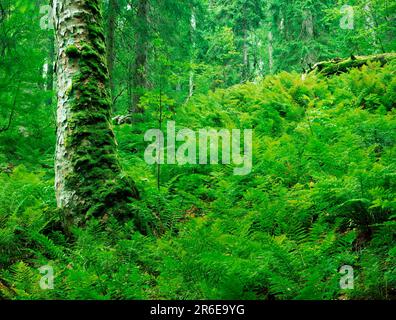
<point x="339" y="66"/>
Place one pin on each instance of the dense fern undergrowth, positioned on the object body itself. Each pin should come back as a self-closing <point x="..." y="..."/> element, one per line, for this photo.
<point x="321" y="195"/>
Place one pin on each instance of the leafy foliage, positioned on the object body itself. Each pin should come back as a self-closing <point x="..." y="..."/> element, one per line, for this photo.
<point x="321" y="195"/>
<point x="322" y="191"/>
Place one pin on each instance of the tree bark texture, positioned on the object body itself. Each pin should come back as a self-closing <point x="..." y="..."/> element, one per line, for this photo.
<point x="88" y="181"/>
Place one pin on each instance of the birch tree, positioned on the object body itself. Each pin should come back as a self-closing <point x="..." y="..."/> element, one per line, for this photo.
<point x="89" y="180"/>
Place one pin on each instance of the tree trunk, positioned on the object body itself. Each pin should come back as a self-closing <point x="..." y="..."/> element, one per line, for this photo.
<point x="88" y="177"/>
<point x="372" y="26"/>
<point x="139" y="72"/>
<point x="245" y="72"/>
<point x="308" y="35"/>
<point x="270" y="53"/>
<point x="193" y="44"/>
<point x="111" y="26"/>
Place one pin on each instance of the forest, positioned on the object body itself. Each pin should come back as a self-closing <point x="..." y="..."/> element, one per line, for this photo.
<point x="197" y="150"/>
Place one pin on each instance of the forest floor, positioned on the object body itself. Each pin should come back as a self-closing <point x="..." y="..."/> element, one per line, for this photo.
<point x="321" y="196"/>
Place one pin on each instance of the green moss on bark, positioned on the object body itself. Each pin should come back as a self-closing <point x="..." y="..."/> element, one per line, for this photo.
<point x="338" y="66"/>
<point x="96" y="177"/>
<point x="72" y="51"/>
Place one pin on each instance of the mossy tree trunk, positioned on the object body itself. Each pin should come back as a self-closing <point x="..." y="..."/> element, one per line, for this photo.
<point x="89" y="180"/>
